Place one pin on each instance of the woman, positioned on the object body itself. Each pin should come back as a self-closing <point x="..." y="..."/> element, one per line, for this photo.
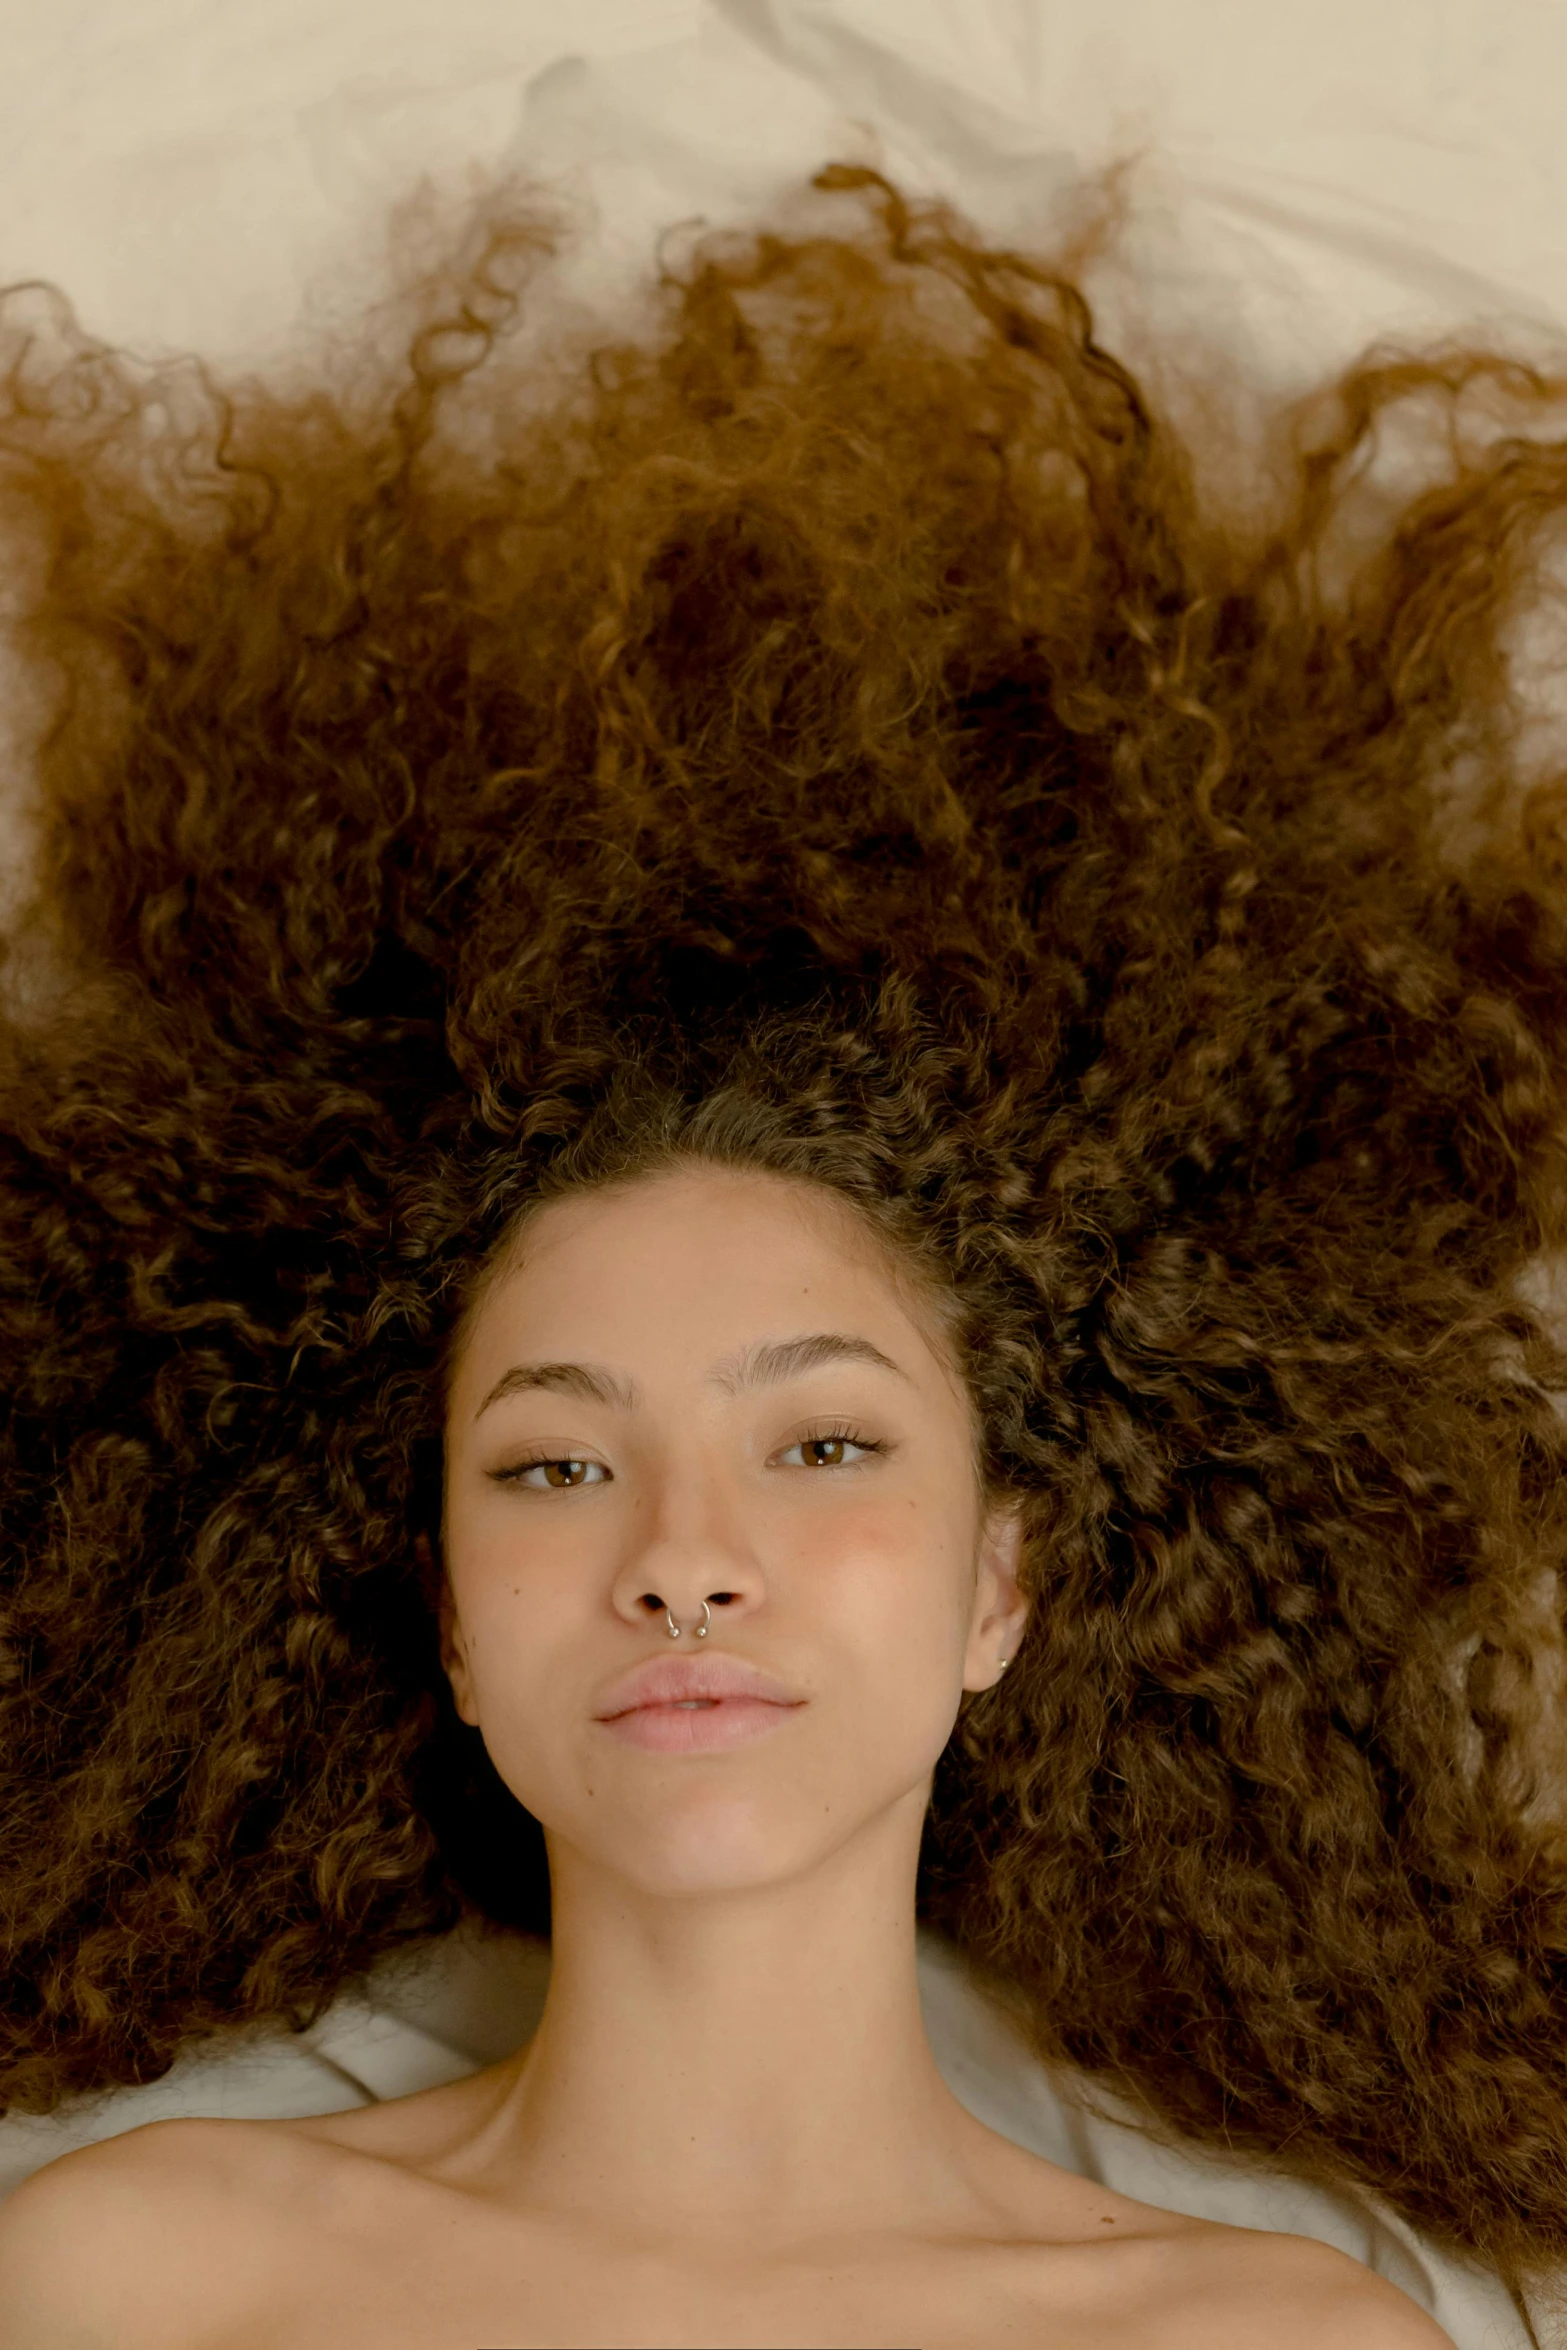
<point x="702" y="1403"/>
<point x="760" y="995"/>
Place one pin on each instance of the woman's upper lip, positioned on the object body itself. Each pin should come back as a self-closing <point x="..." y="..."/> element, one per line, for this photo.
<point x="664" y="1680"/>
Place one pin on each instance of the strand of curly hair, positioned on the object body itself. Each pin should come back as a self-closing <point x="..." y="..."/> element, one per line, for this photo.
<point x="832" y="728"/>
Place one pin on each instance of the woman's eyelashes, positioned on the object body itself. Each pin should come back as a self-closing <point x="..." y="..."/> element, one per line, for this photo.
<point x="821" y="1448"/>
<point x="829" y="1448"/>
<point x="553" y="1473"/>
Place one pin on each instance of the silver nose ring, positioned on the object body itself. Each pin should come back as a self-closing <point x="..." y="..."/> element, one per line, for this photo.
<point x="702" y="1628"/>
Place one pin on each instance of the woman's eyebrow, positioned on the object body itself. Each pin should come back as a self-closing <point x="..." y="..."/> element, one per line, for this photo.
<point x="759" y="1366"/>
<point x="583" y="1379"/>
<point x="785" y="1358"/>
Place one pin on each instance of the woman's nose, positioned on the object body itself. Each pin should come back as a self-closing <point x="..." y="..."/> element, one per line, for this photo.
<point x="694" y="1561"/>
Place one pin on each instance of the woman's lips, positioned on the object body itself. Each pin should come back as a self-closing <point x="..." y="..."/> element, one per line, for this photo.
<point x="705" y="1728"/>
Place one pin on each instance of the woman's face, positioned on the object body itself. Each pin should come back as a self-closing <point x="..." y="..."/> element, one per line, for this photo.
<point x="711" y="1383"/>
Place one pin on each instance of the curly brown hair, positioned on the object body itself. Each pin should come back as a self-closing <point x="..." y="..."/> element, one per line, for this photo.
<point x="831" y="728"/>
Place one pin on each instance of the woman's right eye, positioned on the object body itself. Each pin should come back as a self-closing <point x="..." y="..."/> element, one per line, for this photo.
<point x="555" y="1476"/>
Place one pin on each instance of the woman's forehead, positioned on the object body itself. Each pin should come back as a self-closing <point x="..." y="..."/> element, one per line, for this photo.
<point x="702" y="1252"/>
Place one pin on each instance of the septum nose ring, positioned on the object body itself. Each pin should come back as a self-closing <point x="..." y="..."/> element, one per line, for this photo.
<point x="702" y="1628"/>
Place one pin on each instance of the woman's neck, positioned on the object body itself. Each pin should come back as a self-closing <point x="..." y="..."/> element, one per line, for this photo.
<point x="752" y="2060"/>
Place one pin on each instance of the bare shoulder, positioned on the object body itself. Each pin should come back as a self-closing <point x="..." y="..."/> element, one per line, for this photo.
<point x="1160" y="2276"/>
<point x="1297" y="2293"/>
<point x="127" y="2244"/>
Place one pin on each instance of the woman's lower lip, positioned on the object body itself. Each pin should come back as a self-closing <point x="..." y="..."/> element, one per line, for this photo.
<point x="701" y="1729"/>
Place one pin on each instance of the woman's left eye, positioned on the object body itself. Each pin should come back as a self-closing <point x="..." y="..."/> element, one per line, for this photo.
<point x="835" y="1451"/>
<point x="554" y="1476"/>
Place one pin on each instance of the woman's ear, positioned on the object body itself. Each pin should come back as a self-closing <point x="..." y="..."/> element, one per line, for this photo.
<point x="1000" y="1603"/>
<point x="454" y="1662"/>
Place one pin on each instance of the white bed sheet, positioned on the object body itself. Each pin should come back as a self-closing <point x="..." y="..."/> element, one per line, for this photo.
<point x="187" y="168"/>
<point x="212" y="175"/>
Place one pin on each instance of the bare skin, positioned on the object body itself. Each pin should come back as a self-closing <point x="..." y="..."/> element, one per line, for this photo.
<point x="729" y="2128"/>
<point x="374" y="2230"/>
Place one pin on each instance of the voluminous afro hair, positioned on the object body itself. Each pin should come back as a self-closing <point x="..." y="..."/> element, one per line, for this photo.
<point x="836" y="727"/>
